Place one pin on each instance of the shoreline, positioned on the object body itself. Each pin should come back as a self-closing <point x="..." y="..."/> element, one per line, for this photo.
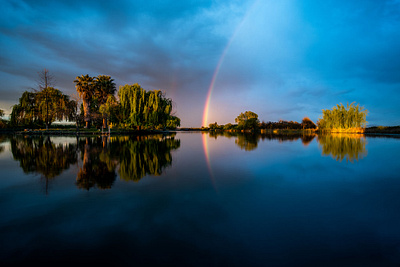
<point x="371" y="131"/>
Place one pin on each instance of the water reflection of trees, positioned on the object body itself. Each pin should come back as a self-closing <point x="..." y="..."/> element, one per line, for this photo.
<point x="249" y="141"/>
<point x="3" y="138"/>
<point x="41" y="155"/>
<point x="342" y="146"/>
<point x="97" y="169"/>
<point x="142" y="155"/>
<point x="133" y="156"/>
<point x="100" y="158"/>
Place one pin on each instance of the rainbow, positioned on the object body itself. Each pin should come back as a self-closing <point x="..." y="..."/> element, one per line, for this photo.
<point x="221" y="60"/>
<point x="211" y="88"/>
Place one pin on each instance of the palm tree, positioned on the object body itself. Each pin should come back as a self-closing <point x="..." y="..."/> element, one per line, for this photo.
<point x="105" y="87"/>
<point x="86" y="89"/>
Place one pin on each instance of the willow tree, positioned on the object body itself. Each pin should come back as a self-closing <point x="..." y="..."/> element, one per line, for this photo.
<point x="34" y="108"/>
<point x="24" y="113"/>
<point x="56" y="109"/>
<point x="46" y="80"/>
<point x="141" y="108"/>
<point x="86" y="88"/>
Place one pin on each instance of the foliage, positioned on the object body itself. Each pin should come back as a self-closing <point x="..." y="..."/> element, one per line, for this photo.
<point x="349" y="147"/>
<point x="141" y="108"/>
<point x="247" y="120"/>
<point x="145" y="155"/>
<point x="281" y="124"/>
<point x="306" y="123"/>
<point x="85" y="86"/>
<point x="40" y="155"/>
<point x="53" y="105"/>
<point x="1" y="113"/>
<point x="173" y="122"/>
<point x="247" y="142"/>
<point x="215" y="126"/>
<point x="109" y="109"/>
<point x="104" y="92"/>
<point x="341" y="117"/>
<point x="35" y="109"/>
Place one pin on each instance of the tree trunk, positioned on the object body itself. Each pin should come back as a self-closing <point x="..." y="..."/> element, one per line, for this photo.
<point x="105" y="122"/>
<point x="86" y="111"/>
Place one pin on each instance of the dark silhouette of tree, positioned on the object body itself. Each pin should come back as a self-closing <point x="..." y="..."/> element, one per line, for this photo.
<point x="94" y="170"/>
<point x="306" y="123"/>
<point x="40" y="155"/>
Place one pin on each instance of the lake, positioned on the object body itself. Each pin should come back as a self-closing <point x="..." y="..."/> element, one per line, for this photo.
<point x="200" y="199"/>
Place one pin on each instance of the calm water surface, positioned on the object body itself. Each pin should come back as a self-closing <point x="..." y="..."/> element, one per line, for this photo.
<point x="200" y="199"/>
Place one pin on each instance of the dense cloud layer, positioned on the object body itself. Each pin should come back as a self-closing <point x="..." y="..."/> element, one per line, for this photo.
<point x="283" y="59"/>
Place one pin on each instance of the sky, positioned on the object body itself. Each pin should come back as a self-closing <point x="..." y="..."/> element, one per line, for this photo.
<point x="215" y="59"/>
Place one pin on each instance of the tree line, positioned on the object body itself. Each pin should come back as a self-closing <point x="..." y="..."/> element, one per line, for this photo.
<point x="339" y="118"/>
<point x="132" y="108"/>
<point x="248" y="120"/>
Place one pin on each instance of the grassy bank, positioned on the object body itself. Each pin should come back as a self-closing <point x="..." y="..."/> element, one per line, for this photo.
<point x="80" y="132"/>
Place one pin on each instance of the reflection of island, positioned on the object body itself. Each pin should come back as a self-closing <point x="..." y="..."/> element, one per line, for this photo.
<point x="41" y="155"/>
<point x="97" y="167"/>
<point x="100" y="157"/>
<point x="133" y="156"/>
<point x="2" y="139"/>
<point x="342" y="146"/>
<point x="142" y="155"/>
<point x="249" y="141"/>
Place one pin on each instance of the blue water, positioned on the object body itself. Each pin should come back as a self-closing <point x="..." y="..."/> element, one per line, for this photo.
<point x="278" y="203"/>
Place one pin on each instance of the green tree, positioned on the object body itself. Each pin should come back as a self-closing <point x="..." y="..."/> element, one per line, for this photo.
<point x="341" y="117"/>
<point x="173" y="122"/>
<point x="247" y="120"/>
<point x="46" y="80"/>
<point x="58" y="108"/>
<point x="141" y="108"/>
<point x="24" y="113"/>
<point x="104" y="87"/>
<point x="109" y="110"/>
<point x="1" y="113"/>
<point x="86" y="88"/>
<point x="35" y="109"/>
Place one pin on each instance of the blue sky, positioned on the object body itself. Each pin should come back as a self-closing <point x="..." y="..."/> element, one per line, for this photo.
<point x="281" y="59"/>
